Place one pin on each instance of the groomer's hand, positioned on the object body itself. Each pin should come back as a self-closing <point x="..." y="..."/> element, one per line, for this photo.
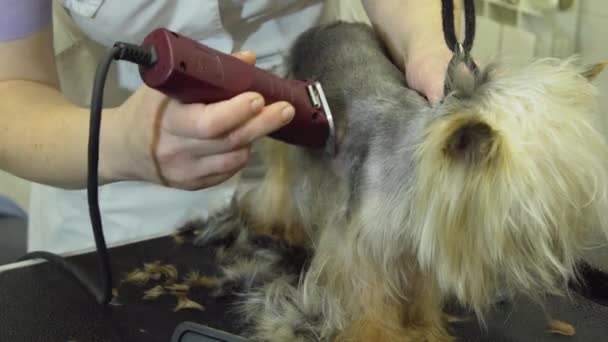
<point x="426" y="67"/>
<point x="413" y="33"/>
<point x="193" y="146"/>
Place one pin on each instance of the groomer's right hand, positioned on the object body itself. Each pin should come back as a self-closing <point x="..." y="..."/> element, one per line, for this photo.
<point x="191" y="146"/>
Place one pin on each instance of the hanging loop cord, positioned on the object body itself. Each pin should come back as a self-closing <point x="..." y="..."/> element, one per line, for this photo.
<point x="461" y="51"/>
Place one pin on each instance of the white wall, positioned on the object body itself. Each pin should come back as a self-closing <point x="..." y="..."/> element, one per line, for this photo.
<point x="591" y="44"/>
<point x="592" y="34"/>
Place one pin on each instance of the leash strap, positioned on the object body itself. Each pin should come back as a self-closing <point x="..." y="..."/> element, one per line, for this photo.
<point x="447" y="13"/>
<point x="460" y="50"/>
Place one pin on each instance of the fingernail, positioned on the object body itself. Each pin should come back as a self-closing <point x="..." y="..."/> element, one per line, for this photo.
<point x="288" y="113"/>
<point x="257" y="104"/>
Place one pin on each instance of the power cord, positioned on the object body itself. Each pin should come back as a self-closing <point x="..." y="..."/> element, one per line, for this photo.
<point x="102" y="294"/>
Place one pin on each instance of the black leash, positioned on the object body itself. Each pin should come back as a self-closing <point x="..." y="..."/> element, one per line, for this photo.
<point x="461" y="51"/>
<point x="447" y="13"/>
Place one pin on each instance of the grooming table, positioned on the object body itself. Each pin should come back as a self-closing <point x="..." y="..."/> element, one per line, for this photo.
<point x="38" y="302"/>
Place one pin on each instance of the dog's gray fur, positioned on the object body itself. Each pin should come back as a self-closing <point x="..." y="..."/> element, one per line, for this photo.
<point x="363" y="211"/>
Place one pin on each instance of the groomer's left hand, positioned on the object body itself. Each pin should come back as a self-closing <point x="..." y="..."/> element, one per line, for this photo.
<point x="413" y="32"/>
<point x="425" y="70"/>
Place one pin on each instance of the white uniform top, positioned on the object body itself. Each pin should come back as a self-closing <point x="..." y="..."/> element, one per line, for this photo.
<point x="59" y="219"/>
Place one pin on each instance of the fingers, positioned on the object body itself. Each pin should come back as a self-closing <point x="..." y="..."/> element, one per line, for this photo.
<point x="199" y="148"/>
<point x="269" y="120"/>
<point x="216" y="164"/>
<point x="212" y="181"/>
<point x="434" y="91"/>
<point x="211" y="121"/>
<point x="224" y="126"/>
<point x="184" y="161"/>
<point x="207" y="171"/>
<point x="433" y="85"/>
<point x="427" y="76"/>
<point x="201" y="145"/>
<point x="204" y="182"/>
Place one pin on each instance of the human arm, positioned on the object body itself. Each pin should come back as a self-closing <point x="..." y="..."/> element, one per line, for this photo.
<point x="413" y="32"/>
<point x="33" y="111"/>
<point x="44" y="137"/>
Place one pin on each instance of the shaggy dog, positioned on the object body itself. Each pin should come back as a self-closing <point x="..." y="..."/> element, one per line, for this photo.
<point x="498" y="188"/>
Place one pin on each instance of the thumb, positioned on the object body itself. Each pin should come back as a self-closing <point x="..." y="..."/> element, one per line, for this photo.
<point x="434" y="91"/>
<point x="246" y="56"/>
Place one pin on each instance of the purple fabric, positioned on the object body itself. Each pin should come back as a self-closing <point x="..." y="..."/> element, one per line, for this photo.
<point x="21" y="18"/>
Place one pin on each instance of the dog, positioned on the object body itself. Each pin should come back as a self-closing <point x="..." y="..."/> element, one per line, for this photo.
<point x="497" y="189"/>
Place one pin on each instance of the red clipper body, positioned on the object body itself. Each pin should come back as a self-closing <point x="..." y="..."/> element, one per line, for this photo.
<point x="194" y="73"/>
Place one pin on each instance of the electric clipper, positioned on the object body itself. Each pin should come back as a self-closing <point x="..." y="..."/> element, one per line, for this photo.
<point x="194" y="73"/>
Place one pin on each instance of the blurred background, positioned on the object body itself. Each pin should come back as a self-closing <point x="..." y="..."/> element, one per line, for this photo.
<point x="514" y="30"/>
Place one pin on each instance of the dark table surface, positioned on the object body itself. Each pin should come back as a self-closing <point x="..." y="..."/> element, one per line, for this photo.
<point x="40" y="303"/>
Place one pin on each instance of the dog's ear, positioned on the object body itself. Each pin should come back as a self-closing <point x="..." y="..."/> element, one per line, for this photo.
<point x="594" y="70"/>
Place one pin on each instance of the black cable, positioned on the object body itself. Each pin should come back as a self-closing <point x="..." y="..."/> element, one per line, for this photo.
<point x="103" y="295"/>
<point x="449" y="34"/>
<point x="92" y="178"/>
<point x="85" y="282"/>
<point x="461" y="51"/>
